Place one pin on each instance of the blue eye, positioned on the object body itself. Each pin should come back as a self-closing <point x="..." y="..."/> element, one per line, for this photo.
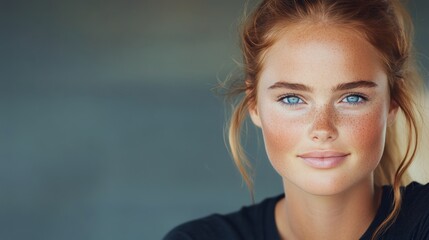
<point x="354" y="99"/>
<point x="291" y="100"/>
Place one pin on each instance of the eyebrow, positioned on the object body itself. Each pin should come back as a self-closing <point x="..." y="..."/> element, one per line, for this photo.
<point x="293" y="86"/>
<point x="357" y="84"/>
<point x="339" y="87"/>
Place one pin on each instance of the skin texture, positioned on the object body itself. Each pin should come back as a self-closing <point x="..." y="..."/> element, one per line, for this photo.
<point x="338" y="201"/>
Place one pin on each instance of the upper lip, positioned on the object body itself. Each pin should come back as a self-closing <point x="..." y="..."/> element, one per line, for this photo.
<point x="322" y="154"/>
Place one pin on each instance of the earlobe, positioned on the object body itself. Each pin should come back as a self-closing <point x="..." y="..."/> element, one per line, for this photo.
<point x="254" y="115"/>
<point x="393" y="110"/>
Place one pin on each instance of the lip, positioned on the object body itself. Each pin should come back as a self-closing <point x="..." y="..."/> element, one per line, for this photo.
<point x="323" y="159"/>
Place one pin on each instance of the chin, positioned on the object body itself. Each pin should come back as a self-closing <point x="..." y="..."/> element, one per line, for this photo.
<point x="323" y="183"/>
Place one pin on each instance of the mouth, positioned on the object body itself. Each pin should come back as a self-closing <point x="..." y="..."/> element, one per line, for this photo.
<point x="324" y="159"/>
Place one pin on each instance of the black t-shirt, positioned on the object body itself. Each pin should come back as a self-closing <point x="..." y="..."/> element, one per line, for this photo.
<point x="257" y="221"/>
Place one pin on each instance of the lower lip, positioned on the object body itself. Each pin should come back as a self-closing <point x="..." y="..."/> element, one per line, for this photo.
<point x="324" y="163"/>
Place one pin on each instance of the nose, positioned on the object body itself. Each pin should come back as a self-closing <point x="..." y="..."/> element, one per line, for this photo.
<point x="323" y="127"/>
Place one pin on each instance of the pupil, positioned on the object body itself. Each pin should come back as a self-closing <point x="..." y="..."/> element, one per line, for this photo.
<point x="293" y="100"/>
<point x="353" y="99"/>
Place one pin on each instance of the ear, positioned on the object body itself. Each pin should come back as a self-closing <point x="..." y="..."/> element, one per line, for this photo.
<point x="253" y="108"/>
<point x="254" y="115"/>
<point x="393" y="110"/>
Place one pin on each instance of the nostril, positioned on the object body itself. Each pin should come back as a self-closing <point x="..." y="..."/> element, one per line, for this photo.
<point x="323" y="136"/>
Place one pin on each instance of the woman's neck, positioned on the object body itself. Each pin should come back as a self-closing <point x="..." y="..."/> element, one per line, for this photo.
<point x="347" y="215"/>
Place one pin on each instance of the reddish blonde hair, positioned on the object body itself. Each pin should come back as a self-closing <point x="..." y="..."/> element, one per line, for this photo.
<point x="383" y="23"/>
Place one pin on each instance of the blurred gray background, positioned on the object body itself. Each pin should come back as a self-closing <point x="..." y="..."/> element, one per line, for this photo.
<point x="109" y="128"/>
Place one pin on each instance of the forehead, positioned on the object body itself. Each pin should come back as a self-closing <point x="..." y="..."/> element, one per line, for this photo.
<point x="321" y="53"/>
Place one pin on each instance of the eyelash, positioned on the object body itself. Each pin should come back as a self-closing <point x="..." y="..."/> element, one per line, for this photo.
<point x="361" y="99"/>
<point x="283" y="97"/>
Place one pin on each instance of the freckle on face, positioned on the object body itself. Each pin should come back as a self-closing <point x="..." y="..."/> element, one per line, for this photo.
<point x="323" y="58"/>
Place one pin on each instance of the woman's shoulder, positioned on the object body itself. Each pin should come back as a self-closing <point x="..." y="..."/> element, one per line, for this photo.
<point x="416" y="189"/>
<point x="415" y="197"/>
<point x="250" y="222"/>
<point x="413" y="219"/>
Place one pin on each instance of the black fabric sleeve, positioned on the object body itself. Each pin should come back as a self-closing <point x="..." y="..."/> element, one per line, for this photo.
<point x="422" y="229"/>
<point x="249" y="223"/>
<point x="420" y="205"/>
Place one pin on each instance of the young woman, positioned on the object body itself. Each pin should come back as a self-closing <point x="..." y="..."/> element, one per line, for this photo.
<point x="325" y="81"/>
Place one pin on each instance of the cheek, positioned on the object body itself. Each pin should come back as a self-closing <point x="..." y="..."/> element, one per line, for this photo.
<point x="282" y="134"/>
<point x="366" y="134"/>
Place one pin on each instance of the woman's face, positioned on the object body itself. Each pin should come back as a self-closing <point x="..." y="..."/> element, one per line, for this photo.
<point x="323" y="106"/>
